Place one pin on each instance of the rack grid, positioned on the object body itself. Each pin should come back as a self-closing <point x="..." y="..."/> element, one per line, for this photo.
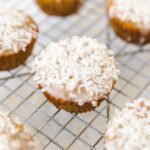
<point x="56" y="129"/>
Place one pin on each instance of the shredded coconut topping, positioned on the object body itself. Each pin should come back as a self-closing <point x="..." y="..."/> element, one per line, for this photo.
<point x="136" y="11"/>
<point x="14" y="135"/>
<point x="16" y="30"/>
<point x="130" y="128"/>
<point x="78" y="69"/>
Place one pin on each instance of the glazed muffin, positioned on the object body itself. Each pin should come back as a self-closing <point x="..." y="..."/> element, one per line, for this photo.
<point x="18" y="33"/>
<point x="130" y="128"/>
<point x="130" y="19"/>
<point x="60" y="7"/>
<point x="14" y="135"/>
<point x="76" y="74"/>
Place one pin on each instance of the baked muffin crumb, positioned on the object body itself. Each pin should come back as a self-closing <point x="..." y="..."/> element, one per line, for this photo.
<point x="77" y="70"/>
<point x="18" y="33"/>
<point x="60" y="7"/>
<point x="130" y="20"/>
<point x="16" y="30"/>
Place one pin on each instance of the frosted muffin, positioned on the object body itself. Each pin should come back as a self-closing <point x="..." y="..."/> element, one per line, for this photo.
<point x="130" y="128"/>
<point x="76" y="74"/>
<point x="60" y="7"/>
<point x="130" y="19"/>
<point x="14" y="135"/>
<point x="18" y="33"/>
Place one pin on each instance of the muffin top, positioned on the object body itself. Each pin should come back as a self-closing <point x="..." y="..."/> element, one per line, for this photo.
<point x="16" y="30"/>
<point x="78" y="69"/>
<point x="135" y="11"/>
<point x="130" y="128"/>
<point x="14" y="135"/>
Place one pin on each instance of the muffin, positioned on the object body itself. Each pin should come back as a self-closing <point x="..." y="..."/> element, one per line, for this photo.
<point x="130" y="128"/>
<point x="60" y="7"/>
<point x="76" y="74"/>
<point x="130" y="19"/>
<point x="14" y="135"/>
<point x="18" y="33"/>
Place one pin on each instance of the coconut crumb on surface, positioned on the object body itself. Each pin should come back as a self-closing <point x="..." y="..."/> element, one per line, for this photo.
<point x="136" y="11"/>
<point x="16" y="30"/>
<point x="14" y="135"/>
<point x="78" y="69"/>
<point x="130" y="128"/>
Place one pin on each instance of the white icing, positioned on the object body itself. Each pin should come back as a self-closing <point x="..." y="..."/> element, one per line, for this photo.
<point x="136" y="11"/>
<point x="78" y="69"/>
<point x="15" y="30"/>
<point x="130" y="128"/>
<point x="142" y="40"/>
<point x="94" y="103"/>
<point x="129" y="38"/>
<point x="14" y="135"/>
<point x="43" y="90"/>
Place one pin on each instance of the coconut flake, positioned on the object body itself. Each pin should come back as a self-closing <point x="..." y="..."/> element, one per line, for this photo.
<point x="14" y="135"/>
<point x="94" y="103"/>
<point x="130" y="128"/>
<point x="136" y="11"/>
<point x="16" y="30"/>
<point x="78" y="69"/>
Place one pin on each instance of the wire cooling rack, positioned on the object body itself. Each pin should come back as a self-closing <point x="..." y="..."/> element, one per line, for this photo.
<point x="56" y="129"/>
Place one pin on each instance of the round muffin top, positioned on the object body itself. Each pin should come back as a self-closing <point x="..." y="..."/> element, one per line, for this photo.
<point x="130" y="128"/>
<point x="76" y="69"/>
<point x="16" y="30"/>
<point x="136" y="11"/>
<point x="14" y="135"/>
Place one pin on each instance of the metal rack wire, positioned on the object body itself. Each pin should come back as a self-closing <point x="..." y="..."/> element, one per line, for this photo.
<point x="56" y="129"/>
